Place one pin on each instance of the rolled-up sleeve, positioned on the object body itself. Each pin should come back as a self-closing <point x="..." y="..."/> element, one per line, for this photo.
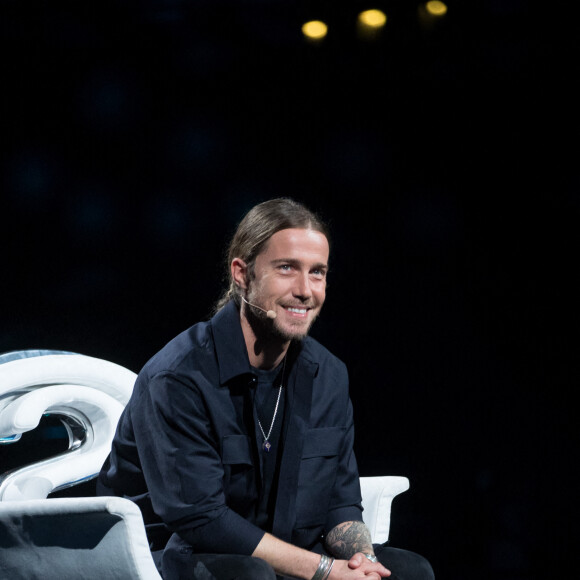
<point x="180" y="457"/>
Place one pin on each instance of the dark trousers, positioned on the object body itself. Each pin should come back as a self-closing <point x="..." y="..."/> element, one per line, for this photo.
<point x="180" y="563"/>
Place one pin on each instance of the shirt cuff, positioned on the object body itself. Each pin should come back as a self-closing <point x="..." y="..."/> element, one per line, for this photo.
<point x="227" y="534"/>
<point x="341" y="515"/>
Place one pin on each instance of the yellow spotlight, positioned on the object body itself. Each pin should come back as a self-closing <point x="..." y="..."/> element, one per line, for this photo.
<point x="436" y="8"/>
<point x="315" y="29"/>
<point x="372" y="18"/>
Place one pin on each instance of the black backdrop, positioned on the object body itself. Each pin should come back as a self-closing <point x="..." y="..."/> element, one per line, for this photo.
<point x="136" y="134"/>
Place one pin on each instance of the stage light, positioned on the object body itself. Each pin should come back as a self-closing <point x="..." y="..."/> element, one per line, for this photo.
<point x="431" y="14"/>
<point x="372" y="18"/>
<point x="436" y="8"/>
<point x="314" y="30"/>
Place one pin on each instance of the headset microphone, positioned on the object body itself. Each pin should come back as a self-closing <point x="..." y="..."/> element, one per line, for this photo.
<point x="269" y="313"/>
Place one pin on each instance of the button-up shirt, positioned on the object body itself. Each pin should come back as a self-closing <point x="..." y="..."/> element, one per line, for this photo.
<point x="186" y="449"/>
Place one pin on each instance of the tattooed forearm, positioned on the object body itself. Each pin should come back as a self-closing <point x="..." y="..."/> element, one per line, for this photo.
<point x="348" y="538"/>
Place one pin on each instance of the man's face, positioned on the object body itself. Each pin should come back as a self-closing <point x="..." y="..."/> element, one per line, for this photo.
<point x="290" y="279"/>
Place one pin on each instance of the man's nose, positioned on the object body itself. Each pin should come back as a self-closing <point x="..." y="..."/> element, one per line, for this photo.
<point x="302" y="287"/>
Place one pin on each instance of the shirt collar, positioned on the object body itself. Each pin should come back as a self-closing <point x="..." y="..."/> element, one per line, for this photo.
<point x="229" y="343"/>
<point x="231" y="350"/>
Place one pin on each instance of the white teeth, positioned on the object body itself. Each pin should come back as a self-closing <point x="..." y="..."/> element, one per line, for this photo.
<point x="297" y="310"/>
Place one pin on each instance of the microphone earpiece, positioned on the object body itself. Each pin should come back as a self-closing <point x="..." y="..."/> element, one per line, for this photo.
<point x="269" y="313"/>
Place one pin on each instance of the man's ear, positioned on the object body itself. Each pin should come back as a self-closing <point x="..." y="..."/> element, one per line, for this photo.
<point x="239" y="271"/>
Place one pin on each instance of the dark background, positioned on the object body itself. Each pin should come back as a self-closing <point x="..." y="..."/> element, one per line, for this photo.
<point x="443" y="152"/>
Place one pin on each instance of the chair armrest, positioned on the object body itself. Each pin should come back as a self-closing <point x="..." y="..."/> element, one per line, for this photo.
<point x="101" y="537"/>
<point x="377" y="496"/>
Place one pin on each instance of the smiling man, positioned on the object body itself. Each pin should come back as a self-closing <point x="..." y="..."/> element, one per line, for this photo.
<point x="288" y="279"/>
<point x="237" y="442"/>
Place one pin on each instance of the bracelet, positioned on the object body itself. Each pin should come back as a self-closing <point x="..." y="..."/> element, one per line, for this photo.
<point x="371" y="557"/>
<point x="324" y="568"/>
<point x="329" y="568"/>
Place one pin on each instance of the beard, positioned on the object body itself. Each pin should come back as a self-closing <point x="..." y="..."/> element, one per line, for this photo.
<point x="294" y="332"/>
<point x="268" y="328"/>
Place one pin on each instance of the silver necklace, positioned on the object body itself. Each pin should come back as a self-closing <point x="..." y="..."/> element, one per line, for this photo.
<point x="266" y="445"/>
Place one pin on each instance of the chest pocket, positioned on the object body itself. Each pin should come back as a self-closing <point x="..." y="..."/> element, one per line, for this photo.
<point x="239" y="473"/>
<point x="318" y="468"/>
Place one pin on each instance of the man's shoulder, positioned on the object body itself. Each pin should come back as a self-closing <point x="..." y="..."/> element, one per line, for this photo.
<point x="206" y="352"/>
<point x="181" y="352"/>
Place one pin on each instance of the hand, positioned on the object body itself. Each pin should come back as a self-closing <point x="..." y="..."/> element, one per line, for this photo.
<point x="360" y="562"/>
<point x="359" y="566"/>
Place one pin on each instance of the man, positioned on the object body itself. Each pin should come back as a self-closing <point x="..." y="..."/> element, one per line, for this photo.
<point x="238" y="438"/>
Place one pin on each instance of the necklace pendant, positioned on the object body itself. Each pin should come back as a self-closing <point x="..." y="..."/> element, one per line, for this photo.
<point x="266" y="446"/>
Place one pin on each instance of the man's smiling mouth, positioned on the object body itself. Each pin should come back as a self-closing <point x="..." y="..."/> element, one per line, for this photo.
<point x="297" y="310"/>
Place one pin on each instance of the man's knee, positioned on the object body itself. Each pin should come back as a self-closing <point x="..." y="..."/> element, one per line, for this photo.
<point x="405" y="565"/>
<point x="422" y="568"/>
<point x="179" y="562"/>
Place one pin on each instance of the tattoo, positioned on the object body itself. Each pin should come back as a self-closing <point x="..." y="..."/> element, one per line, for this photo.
<point x="348" y="538"/>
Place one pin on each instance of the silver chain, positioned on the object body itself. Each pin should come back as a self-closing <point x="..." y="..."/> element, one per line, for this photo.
<point x="266" y="437"/>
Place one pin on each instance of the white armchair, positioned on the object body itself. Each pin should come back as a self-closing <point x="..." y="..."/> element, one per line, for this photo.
<point x="102" y="537"/>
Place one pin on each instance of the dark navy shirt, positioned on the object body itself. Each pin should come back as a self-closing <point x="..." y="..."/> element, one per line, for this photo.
<point x="187" y="448"/>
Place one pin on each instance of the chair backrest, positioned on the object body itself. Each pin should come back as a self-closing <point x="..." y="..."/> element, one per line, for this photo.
<point x="87" y="394"/>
